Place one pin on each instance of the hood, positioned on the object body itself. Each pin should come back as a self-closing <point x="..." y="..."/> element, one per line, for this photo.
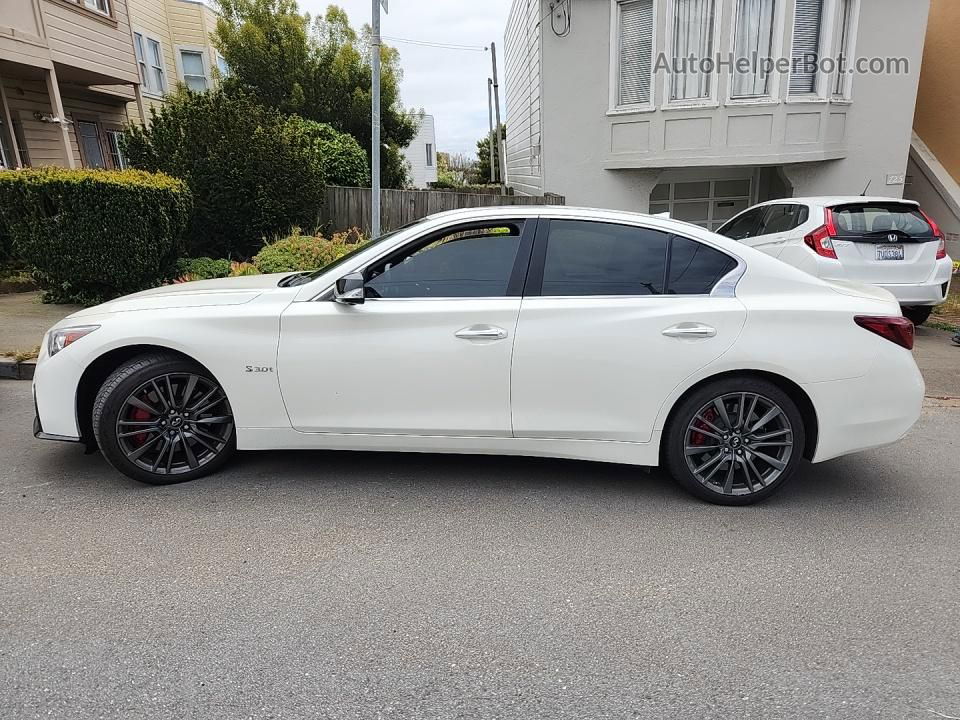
<point x="200" y="293"/>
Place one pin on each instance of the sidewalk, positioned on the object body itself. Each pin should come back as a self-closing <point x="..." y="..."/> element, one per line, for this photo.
<point x="24" y="320"/>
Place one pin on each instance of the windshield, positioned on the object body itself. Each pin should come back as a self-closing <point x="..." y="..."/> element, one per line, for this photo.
<point x="306" y="277"/>
<point x="880" y="219"/>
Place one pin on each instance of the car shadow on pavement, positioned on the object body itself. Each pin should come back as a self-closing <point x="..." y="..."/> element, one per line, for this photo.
<point x="843" y="483"/>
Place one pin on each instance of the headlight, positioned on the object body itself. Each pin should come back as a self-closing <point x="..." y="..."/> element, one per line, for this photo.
<point x="62" y="337"/>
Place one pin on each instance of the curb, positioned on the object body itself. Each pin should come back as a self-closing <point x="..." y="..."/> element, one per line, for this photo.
<point x="10" y="370"/>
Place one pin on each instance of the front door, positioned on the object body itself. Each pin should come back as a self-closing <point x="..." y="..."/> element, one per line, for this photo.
<point x="427" y="353"/>
<point x="615" y="317"/>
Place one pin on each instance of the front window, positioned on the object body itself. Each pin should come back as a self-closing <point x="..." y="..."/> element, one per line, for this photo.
<point x="808" y="23"/>
<point x="693" y="22"/>
<point x="753" y="41"/>
<point x="157" y="82"/>
<point x="635" y="40"/>
<point x="117" y="160"/>
<point x="99" y="6"/>
<point x="194" y="70"/>
<point x="429" y="155"/>
<point x="91" y="150"/>
<point x="473" y="262"/>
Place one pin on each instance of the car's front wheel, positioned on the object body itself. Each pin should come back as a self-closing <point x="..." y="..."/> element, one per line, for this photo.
<point x="917" y="314"/>
<point x="162" y="419"/>
<point x="735" y="441"/>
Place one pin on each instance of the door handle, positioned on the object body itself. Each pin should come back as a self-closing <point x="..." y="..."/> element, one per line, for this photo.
<point x="690" y="330"/>
<point x="481" y="332"/>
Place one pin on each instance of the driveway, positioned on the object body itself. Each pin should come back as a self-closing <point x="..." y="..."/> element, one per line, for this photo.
<point x="334" y="585"/>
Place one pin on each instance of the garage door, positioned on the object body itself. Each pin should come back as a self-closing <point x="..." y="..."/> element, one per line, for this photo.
<point x="708" y="203"/>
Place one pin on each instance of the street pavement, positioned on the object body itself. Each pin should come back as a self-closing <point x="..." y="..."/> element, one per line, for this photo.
<point x="338" y="585"/>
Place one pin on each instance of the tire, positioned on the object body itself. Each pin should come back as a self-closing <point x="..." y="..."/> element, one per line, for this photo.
<point x="763" y="452"/>
<point x="163" y="419"/>
<point x="917" y="314"/>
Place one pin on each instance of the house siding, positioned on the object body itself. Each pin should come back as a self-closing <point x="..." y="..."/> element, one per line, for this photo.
<point x="522" y="58"/>
<point x="79" y="39"/>
<point x="416" y="153"/>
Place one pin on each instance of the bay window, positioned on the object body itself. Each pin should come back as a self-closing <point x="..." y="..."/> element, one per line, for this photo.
<point x="693" y="28"/>
<point x="753" y="41"/>
<point x="807" y="29"/>
<point x="635" y="51"/>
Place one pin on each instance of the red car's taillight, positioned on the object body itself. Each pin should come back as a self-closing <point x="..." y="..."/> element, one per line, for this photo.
<point x="937" y="233"/>
<point x="897" y="330"/>
<point x="821" y="239"/>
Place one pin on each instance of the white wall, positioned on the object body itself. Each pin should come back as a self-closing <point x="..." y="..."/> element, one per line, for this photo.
<point x="416" y="154"/>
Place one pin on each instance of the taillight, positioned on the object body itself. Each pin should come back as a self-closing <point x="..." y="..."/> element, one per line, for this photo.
<point x="821" y="239"/>
<point x="897" y="330"/>
<point x="937" y="233"/>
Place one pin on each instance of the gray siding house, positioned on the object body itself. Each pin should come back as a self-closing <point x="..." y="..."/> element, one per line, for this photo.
<point x="421" y="153"/>
<point x="593" y="113"/>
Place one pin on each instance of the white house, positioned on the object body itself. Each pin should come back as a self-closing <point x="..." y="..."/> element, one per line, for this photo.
<point x="602" y="109"/>
<point x="422" y="153"/>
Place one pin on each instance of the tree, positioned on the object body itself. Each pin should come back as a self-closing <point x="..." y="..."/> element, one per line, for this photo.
<point x="318" y="70"/>
<point x="481" y="170"/>
<point x="452" y="169"/>
<point x="253" y="172"/>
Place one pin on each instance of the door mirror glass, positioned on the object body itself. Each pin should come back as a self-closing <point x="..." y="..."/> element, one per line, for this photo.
<point x="349" y="289"/>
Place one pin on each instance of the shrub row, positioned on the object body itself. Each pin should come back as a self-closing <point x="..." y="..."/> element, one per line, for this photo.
<point x="93" y="235"/>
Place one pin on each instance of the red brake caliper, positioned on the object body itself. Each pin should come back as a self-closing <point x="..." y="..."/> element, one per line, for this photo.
<point x="139" y="414"/>
<point x="697" y="438"/>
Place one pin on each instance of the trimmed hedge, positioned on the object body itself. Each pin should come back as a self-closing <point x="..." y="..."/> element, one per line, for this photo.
<point x="93" y="235"/>
<point x="306" y="252"/>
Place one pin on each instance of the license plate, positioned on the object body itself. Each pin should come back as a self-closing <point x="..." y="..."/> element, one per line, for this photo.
<point x="889" y="252"/>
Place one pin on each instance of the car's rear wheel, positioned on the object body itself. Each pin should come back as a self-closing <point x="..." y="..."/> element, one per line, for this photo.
<point x="735" y="441"/>
<point x="162" y="419"/>
<point x="917" y="314"/>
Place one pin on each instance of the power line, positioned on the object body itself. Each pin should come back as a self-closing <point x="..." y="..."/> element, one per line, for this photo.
<point x="442" y="46"/>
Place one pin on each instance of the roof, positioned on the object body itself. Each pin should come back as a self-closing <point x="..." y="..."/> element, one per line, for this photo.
<point x="828" y="200"/>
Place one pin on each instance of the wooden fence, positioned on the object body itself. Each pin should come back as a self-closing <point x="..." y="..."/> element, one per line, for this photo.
<point x="348" y="207"/>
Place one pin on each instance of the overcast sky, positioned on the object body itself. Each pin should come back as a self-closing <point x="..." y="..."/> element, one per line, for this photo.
<point x="451" y="85"/>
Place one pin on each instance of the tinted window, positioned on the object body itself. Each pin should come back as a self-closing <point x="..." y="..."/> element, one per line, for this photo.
<point x="743" y="226"/>
<point x="468" y="263"/>
<point x="782" y="218"/>
<point x="881" y="218"/>
<point x="695" y="268"/>
<point x="594" y="258"/>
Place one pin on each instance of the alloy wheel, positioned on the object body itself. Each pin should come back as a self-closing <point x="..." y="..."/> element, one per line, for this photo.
<point x="174" y="423"/>
<point x="738" y="443"/>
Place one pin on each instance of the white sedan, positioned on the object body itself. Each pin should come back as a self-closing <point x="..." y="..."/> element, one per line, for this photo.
<point x="545" y="331"/>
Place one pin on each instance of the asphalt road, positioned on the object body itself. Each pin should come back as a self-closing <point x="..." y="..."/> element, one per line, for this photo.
<point x="333" y="585"/>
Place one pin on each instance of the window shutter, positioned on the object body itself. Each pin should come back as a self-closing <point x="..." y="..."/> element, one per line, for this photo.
<point x="636" y="50"/>
<point x="806" y="46"/>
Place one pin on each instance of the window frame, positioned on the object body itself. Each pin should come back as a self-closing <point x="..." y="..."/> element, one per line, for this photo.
<point x="534" y="281"/>
<point x="518" y="274"/>
<point x="844" y="43"/>
<point x="711" y="100"/>
<point x="429" y="149"/>
<point x="145" y="64"/>
<point x="115" y="132"/>
<point x="614" y="104"/>
<point x="89" y="120"/>
<point x="820" y="91"/>
<point x="205" y="61"/>
<point x="775" y="79"/>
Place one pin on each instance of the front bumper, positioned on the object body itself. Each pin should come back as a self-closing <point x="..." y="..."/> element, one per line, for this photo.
<point x="38" y="426"/>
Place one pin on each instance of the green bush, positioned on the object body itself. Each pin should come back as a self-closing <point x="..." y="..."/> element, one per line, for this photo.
<point x="93" y="235"/>
<point x="203" y="268"/>
<point x="306" y="252"/>
<point x="253" y="173"/>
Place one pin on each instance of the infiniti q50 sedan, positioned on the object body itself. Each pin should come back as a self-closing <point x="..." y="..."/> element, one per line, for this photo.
<point x="545" y="331"/>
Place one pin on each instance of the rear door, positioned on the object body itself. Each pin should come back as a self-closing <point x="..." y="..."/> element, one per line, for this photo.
<point x="884" y="243"/>
<point x="614" y="317"/>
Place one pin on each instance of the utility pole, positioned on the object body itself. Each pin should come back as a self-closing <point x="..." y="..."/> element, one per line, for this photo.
<point x="375" y="120"/>
<point x="493" y="172"/>
<point x="502" y="154"/>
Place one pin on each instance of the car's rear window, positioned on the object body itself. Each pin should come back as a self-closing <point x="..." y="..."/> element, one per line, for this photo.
<point x="881" y="218"/>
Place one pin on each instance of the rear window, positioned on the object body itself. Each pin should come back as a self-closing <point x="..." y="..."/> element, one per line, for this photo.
<point x="881" y="219"/>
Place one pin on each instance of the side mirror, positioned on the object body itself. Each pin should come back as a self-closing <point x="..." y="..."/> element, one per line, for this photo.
<point x="349" y="289"/>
